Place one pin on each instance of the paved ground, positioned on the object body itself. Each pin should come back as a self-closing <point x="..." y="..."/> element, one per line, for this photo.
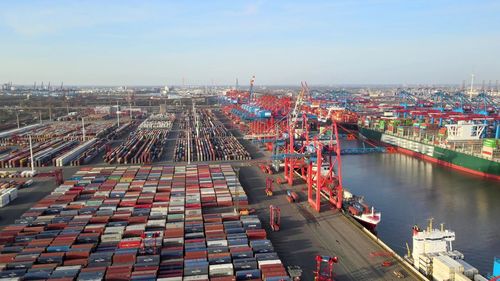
<point x="26" y="198"/>
<point x="305" y="234"/>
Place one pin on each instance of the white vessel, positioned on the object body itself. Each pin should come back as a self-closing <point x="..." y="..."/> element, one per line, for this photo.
<point x="433" y="255"/>
<point x="362" y="212"/>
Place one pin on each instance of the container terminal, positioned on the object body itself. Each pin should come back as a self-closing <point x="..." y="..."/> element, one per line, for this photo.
<point x="224" y="184"/>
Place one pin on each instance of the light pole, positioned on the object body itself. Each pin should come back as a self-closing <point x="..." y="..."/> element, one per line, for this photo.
<point x="31" y="155"/>
<point x="83" y="130"/>
<point x="17" y="118"/>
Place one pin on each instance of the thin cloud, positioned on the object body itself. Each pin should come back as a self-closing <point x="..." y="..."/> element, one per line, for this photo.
<point x="36" y="21"/>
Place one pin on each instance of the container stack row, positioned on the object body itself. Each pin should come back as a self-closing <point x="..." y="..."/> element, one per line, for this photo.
<point x="60" y="149"/>
<point x="44" y="154"/>
<point x="82" y="154"/>
<point x="138" y="223"/>
<point x="60" y="130"/>
<point x="145" y="144"/>
<point x="205" y="138"/>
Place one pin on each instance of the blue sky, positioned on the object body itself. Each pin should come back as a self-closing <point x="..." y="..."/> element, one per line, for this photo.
<point x="281" y="42"/>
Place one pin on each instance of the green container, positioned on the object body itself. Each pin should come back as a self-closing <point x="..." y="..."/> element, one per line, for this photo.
<point x="490" y="143"/>
<point x="381" y="124"/>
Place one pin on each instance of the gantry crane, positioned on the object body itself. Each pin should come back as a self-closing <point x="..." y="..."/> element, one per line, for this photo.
<point x="324" y="268"/>
<point x="274" y="217"/>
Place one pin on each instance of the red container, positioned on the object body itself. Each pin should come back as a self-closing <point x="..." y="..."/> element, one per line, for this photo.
<point x="77" y="254"/>
<point x="129" y="244"/>
<point x="82" y="262"/>
<point x="195" y="255"/>
<point x="119" y="259"/>
<point x="7" y="258"/>
<point x="256" y="234"/>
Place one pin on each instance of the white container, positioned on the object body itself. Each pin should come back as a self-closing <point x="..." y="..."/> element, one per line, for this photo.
<point x="445" y="267"/>
<point x="4" y="199"/>
<point x="469" y="270"/>
<point x="195" y="278"/>
<point x="267" y="262"/>
<point x="478" y="277"/>
<point x="68" y="267"/>
<point x="461" y="277"/>
<point x="12" y="194"/>
<point x="170" y="279"/>
<point x="114" y="229"/>
<point x="217" y="243"/>
<point x="225" y="269"/>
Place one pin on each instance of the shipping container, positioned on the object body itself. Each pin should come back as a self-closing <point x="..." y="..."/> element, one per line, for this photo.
<point x="140" y="223"/>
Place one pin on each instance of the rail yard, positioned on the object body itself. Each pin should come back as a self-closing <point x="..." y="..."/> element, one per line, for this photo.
<point x="237" y="185"/>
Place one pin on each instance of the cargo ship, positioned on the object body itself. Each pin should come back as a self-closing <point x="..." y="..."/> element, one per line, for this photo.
<point x="457" y="146"/>
<point x="433" y="255"/>
<point x="362" y="212"/>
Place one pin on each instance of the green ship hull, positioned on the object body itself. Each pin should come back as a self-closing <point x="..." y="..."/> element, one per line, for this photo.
<point x="446" y="157"/>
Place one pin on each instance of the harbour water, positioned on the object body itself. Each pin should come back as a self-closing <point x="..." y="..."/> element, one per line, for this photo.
<point x="409" y="191"/>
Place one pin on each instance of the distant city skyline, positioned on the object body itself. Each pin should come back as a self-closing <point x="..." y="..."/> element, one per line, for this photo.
<point x="373" y="42"/>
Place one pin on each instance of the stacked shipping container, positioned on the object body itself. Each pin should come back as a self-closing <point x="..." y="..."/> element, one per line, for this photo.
<point x="8" y="192"/>
<point x="144" y="145"/>
<point x="61" y="131"/>
<point x="140" y="223"/>
<point x="205" y="138"/>
<point x="61" y="149"/>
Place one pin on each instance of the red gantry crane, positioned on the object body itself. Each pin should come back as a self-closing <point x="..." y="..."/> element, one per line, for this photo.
<point x="316" y="161"/>
<point x="324" y="268"/>
<point x="274" y="217"/>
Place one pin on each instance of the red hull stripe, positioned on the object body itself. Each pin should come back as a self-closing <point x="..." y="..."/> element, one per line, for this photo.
<point x="447" y="164"/>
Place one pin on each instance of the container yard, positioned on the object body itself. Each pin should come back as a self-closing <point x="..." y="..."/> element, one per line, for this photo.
<point x="204" y="138"/>
<point x="178" y="221"/>
<point x="141" y="222"/>
<point x="58" y="143"/>
<point x="146" y="144"/>
<point x="141" y="215"/>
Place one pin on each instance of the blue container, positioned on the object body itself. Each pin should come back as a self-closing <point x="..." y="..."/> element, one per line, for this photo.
<point x="242" y="255"/>
<point x="237" y="241"/>
<point x="244" y="265"/>
<point x="230" y="224"/>
<point x="196" y="262"/>
<point x="52" y="249"/>
<point x="195" y="249"/>
<point x="496" y="267"/>
<point x="236" y="236"/>
<point x="235" y="230"/>
<point x="267" y="256"/>
<point x="248" y="274"/>
<point x="37" y="275"/>
<point x="64" y="273"/>
<point x="260" y="242"/>
<point x="217" y="249"/>
<point x="12" y="273"/>
<point x="195" y="270"/>
<point x="262" y="249"/>
<point x="219" y="260"/>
